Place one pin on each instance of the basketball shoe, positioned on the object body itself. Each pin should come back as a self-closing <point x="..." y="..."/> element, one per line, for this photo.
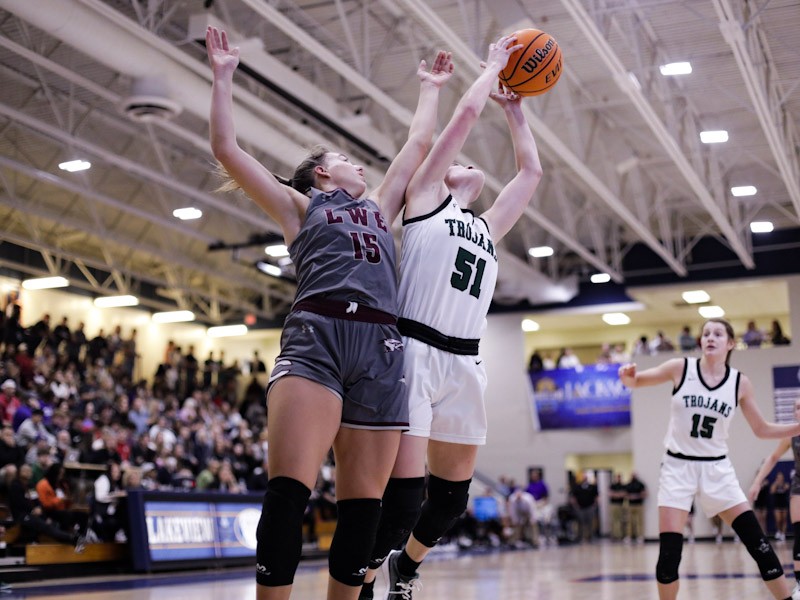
<point x="400" y="586"/>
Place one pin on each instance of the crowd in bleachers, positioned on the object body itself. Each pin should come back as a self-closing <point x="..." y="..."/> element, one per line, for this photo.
<point x="753" y="337"/>
<point x="72" y="401"/>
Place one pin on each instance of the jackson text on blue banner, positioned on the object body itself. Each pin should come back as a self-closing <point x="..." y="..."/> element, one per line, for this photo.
<point x="591" y="396"/>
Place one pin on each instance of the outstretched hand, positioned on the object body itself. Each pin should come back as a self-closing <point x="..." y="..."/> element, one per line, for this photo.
<point x="222" y="58"/>
<point x="500" y="51"/>
<point x="627" y="374"/>
<point x="505" y="97"/>
<point x="440" y="72"/>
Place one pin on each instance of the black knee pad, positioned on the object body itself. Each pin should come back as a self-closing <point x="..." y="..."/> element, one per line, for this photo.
<point x="749" y="531"/>
<point x="280" y="531"/>
<point x="402" y="504"/>
<point x="447" y="500"/>
<point x="796" y="547"/>
<point x="354" y="539"/>
<point x="669" y="556"/>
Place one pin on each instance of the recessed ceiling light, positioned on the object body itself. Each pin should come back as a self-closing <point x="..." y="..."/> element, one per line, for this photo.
<point x="540" y="251"/>
<point x="269" y="269"/>
<point x="695" y="296"/>
<point x="187" y="214"/>
<point x="44" y="283"/>
<point x="676" y="68"/>
<point x="226" y="331"/>
<point x="529" y="325"/>
<point x="711" y="312"/>
<point x="75" y="165"/>
<point x="277" y="251"/>
<point x="761" y="226"/>
<point x="714" y="137"/>
<point x="173" y="316"/>
<point x="600" y="278"/>
<point x="616" y="318"/>
<point x="116" y="301"/>
<point x="744" y="190"/>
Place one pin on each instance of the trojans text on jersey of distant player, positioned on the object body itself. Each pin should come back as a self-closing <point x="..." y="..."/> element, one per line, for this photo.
<point x="712" y="404"/>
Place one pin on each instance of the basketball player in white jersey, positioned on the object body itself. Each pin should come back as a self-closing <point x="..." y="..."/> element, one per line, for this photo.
<point x="448" y="270"/>
<point x="794" y="502"/>
<point x="706" y="394"/>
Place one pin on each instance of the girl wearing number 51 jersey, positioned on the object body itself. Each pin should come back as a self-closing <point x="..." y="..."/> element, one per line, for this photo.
<point x="448" y="270"/>
<point x="706" y="394"/>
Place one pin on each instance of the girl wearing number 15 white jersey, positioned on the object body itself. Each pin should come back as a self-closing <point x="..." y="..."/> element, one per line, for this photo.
<point x="706" y="393"/>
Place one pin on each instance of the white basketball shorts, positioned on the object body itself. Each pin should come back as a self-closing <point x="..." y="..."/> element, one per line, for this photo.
<point x="713" y="483"/>
<point x="445" y="394"/>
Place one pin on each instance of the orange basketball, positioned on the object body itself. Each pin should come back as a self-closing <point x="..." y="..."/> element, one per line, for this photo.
<point x="534" y="68"/>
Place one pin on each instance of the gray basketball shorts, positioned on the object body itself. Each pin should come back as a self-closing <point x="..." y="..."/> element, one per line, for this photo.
<point x="360" y="362"/>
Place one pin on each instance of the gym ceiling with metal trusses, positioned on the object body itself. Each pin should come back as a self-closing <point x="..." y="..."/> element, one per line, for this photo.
<point x="125" y="85"/>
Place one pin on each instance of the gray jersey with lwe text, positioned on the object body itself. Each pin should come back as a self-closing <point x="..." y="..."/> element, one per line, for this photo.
<point x="345" y="251"/>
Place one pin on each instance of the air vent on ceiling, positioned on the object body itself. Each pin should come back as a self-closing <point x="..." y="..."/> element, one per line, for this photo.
<point x="149" y="101"/>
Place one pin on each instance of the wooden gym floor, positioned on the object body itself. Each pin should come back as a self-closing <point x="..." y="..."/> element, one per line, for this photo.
<point x="601" y="571"/>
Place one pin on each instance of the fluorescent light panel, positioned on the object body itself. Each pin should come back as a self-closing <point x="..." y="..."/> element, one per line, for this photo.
<point x="676" y="68"/>
<point x="188" y="213"/>
<point x="75" y="165"/>
<point x="600" y="278"/>
<point x="116" y="301"/>
<point x="744" y="190"/>
<point x="173" y="316"/>
<point x="714" y="137"/>
<point x="695" y="296"/>
<point x="761" y="226"/>
<point x="269" y="269"/>
<point x="44" y="283"/>
<point x="277" y="251"/>
<point x="616" y="318"/>
<point x="711" y="312"/>
<point x="226" y="331"/>
<point x="540" y="251"/>
<point x="529" y="325"/>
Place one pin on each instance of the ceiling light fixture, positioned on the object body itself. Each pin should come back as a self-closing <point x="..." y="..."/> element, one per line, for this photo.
<point x="226" y="331"/>
<point x="616" y="318"/>
<point x="540" y="251"/>
<point x="761" y="226"/>
<point x="75" y="165"/>
<point x="600" y="278"/>
<point x="269" y="269"/>
<point x="277" y="251"/>
<point x="744" y="190"/>
<point x="695" y="296"/>
<point x="187" y="214"/>
<point x="115" y="301"/>
<point x="714" y="137"/>
<point x="529" y="325"/>
<point x="711" y="312"/>
<point x="44" y="283"/>
<point x="173" y="316"/>
<point x="676" y="68"/>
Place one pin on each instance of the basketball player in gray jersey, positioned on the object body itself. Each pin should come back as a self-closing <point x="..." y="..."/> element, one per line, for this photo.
<point x="794" y="503"/>
<point x="705" y="395"/>
<point x="338" y="380"/>
<point x="448" y="271"/>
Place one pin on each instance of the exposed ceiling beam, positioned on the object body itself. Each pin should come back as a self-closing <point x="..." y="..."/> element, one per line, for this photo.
<point x="765" y="92"/>
<point x="427" y="17"/>
<point x="623" y="80"/>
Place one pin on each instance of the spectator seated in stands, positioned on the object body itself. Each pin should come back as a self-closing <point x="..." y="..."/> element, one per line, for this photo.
<point x="109" y="519"/>
<point x="489" y="517"/>
<point x="10" y="453"/>
<point x="686" y="341"/>
<point x="776" y="335"/>
<point x="522" y="517"/>
<point x="33" y="428"/>
<point x="753" y="337"/>
<point x="29" y="515"/>
<point x="568" y="360"/>
<point x="661" y="344"/>
<point x="9" y="400"/>
<point x="55" y="500"/>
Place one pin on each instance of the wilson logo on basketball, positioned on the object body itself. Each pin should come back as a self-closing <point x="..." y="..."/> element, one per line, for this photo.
<point x="537" y="58"/>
